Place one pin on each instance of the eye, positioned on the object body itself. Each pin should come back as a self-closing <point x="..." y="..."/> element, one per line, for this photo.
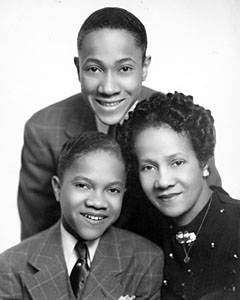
<point x="147" y="168"/>
<point x="178" y="163"/>
<point x="115" y="190"/>
<point x="82" y="185"/>
<point x="94" y="69"/>
<point x="125" y="69"/>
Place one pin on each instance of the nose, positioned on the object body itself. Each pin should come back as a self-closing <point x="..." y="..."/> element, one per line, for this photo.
<point x="97" y="200"/>
<point x="164" y="179"/>
<point x="109" y="84"/>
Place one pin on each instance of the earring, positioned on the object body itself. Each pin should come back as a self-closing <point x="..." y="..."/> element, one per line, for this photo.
<point x="205" y="173"/>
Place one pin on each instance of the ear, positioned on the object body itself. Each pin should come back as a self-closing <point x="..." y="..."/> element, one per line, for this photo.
<point x="146" y="65"/>
<point x="76" y="63"/>
<point x="56" y="185"/>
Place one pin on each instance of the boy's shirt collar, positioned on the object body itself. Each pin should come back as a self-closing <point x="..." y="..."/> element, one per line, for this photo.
<point x="68" y="244"/>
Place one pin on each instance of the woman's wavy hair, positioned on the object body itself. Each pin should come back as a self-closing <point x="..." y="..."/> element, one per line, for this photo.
<point x="177" y="111"/>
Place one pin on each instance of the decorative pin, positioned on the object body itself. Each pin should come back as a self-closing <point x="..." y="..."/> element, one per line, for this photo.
<point x="185" y="237"/>
<point x="165" y="282"/>
<point x="222" y="210"/>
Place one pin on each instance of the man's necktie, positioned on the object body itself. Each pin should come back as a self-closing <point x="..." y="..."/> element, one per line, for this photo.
<point x="80" y="270"/>
<point x="112" y="131"/>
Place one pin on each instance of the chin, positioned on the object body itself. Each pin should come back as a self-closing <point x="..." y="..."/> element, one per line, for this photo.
<point x="89" y="236"/>
<point x="110" y="121"/>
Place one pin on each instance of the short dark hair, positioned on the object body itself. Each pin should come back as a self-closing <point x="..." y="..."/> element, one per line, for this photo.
<point x="84" y="143"/>
<point x="177" y="111"/>
<point x="114" y="18"/>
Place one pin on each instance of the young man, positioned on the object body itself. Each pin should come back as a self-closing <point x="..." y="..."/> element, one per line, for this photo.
<point x="111" y="64"/>
<point x="83" y="256"/>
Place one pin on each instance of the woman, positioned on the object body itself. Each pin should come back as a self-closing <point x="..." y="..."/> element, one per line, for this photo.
<point x="168" y="141"/>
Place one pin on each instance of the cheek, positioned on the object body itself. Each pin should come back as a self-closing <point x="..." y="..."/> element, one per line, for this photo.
<point x="89" y="84"/>
<point x="192" y="178"/>
<point x="146" y="183"/>
<point x="133" y="84"/>
<point x="116" y="205"/>
<point x="69" y="200"/>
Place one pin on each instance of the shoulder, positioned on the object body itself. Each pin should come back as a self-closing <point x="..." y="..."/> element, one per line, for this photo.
<point x="146" y="92"/>
<point x="20" y="252"/>
<point x="225" y="198"/>
<point x="64" y="108"/>
<point x="134" y="243"/>
<point x="228" y="207"/>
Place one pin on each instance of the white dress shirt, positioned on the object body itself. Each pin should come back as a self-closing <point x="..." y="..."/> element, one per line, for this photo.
<point x="70" y="255"/>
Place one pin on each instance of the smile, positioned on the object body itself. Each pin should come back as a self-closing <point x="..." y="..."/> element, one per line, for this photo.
<point x="168" y="197"/>
<point x="112" y="104"/>
<point x="93" y="218"/>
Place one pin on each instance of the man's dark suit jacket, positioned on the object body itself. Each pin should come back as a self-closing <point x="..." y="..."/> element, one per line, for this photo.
<point x="124" y="264"/>
<point x="44" y="134"/>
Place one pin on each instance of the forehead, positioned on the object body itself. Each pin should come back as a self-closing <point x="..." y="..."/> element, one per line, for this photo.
<point x="103" y="42"/>
<point x="163" y="141"/>
<point x="99" y="161"/>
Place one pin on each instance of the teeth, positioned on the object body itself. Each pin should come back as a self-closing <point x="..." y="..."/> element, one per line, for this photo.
<point x="93" y="218"/>
<point x="110" y="104"/>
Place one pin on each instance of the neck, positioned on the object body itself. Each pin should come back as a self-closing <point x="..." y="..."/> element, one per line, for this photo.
<point x="101" y="127"/>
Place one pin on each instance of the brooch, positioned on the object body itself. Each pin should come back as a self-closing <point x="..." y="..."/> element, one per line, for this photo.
<point x="185" y="237"/>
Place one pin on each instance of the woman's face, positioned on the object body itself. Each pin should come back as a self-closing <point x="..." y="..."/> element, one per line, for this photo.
<point x="170" y="173"/>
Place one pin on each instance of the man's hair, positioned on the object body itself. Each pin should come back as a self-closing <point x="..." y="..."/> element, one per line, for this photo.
<point x="84" y="143"/>
<point x="114" y="18"/>
<point x="177" y="111"/>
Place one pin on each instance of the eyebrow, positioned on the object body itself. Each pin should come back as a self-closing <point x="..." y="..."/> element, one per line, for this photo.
<point x="169" y="157"/>
<point x="92" y="182"/>
<point x="100" y="62"/>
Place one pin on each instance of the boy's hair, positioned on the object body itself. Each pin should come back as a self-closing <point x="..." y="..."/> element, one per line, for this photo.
<point x="177" y="111"/>
<point x="114" y="18"/>
<point x="84" y="143"/>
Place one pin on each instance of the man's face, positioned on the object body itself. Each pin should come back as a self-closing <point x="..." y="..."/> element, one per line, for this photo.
<point x="111" y="71"/>
<point x="91" y="193"/>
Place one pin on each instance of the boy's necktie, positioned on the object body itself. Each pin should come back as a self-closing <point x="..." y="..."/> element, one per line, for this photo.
<point x="80" y="270"/>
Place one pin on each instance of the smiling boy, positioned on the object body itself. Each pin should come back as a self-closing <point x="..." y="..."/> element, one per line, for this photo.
<point x="89" y="185"/>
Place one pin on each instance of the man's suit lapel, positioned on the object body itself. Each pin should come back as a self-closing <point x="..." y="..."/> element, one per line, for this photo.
<point x="106" y="268"/>
<point x="51" y="275"/>
<point x="82" y="119"/>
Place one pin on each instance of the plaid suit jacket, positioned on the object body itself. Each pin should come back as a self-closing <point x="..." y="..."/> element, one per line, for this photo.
<point x="124" y="264"/>
<point x="44" y="134"/>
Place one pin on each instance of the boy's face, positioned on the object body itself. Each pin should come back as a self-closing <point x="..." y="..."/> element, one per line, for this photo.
<point x="111" y="71"/>
<point x="91" y="193"/>
<point x="170" y="174"/>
